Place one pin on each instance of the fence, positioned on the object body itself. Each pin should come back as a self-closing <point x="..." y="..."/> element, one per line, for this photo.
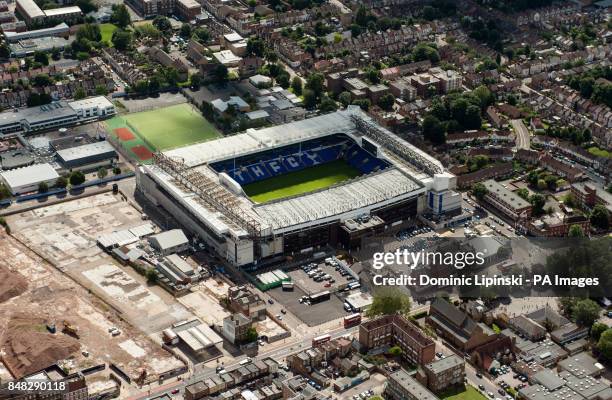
<point x="73" y="189"/>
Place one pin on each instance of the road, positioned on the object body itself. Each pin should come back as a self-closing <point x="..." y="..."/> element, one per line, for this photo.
<point x="523" y="140"/>
<point x="276" y="354"/>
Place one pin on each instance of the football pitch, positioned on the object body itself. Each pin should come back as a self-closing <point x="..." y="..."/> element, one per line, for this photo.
<point x="170" y="127"/>
<point x="298" y="182"/>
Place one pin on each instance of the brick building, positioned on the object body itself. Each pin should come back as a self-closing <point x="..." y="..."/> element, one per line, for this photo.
<point x="396" y="330"/>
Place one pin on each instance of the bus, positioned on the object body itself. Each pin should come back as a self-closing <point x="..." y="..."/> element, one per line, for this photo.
<point x="319" y="297"/>
<point x="352" y="320"/>
<point x="319" y="340"/>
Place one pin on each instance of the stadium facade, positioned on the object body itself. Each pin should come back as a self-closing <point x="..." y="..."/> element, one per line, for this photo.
<point x="201" y="185"/>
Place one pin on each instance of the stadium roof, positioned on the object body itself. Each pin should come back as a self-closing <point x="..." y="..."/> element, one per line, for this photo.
<point x="31" y="175"/>
<point x="388" y="187"/>
<point x="86" y="150"/>
<point x="258" y="140"/>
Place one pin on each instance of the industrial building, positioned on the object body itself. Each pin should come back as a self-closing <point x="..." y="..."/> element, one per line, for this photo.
<point x="31" y="12"/>
<point x="168" y="242"/>
<point x="88" y="156"/>
<point x="62" y="30"/>
<point x="28" y="179"/>
<point x="197" y="335"/>
<point x="54" y="115"/>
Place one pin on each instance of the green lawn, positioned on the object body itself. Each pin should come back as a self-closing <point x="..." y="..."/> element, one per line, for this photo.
<point x="596" y="151"/>
<point x="295" y="183"/>
<point x="107" y="31"/>
<point x="170" y="127"/>
<point x="470" y="393"/>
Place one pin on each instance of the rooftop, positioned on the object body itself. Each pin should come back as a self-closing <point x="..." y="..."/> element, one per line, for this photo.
<point x="30" y="175"/>
<point x="86" y="150"/>
<point x="411" y="385"/>
<point x="171" y="238"/>
<point x="496" y="189"/>
<point x="444" y="364"/>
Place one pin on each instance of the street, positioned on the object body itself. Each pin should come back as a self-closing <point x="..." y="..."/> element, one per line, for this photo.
<point x="522" y="134"/>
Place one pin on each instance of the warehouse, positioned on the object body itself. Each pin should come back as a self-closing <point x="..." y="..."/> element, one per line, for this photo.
<point x="173" y="241"/>
<point x="27" y="179"/>
<point x="87" y="156"/>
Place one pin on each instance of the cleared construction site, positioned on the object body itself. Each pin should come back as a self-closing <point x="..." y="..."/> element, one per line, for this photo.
<point x="47" y="319"/>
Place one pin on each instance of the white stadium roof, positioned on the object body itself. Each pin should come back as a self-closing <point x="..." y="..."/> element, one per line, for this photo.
<point x="257" y="140"/>
<point x="389" y="186"/>
<point x="343" y="201"/>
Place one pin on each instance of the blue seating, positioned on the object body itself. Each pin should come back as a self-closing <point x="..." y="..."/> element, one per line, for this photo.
<point x="292" y="158"/>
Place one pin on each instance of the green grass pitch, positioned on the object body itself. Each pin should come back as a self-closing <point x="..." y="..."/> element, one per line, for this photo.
<point x="298" y="182"/>
<point x="107" y="31"/>
<point x="170" y="127"/>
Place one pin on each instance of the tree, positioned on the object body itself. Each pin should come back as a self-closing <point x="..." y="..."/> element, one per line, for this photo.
<point x="585" y="312"/>
<point x="220" y="73"/>
<point x="327" y="105"/>
<point x="297" y="85"/>
<point x="344" y="98"/>
<point x="5" y="51"/>
<point x="364" y="104"/>
<point x="121" y="39"/>
<point x="43" y="187"/>
<point x="116" y="170"/>
<point x="484" y="95"/>
<point x="523" y="193"/>
<point x="479" y="191"/>
<point x="120" y="16"/>
<point x="537" y="202"/>
<point x="386" y="102"/>
<point x="42" y="80"/>
<point x="575" y="231"/>
<point x="41" y="57"/>
<point x="424" y="51"/>
<point x="316" y="82"/>
<point x="604" y="346"/>
<point x="251" y="335"/>
<point x="4" y="191"/>
<point x="201" y="35"/>
<point x="597" y="329"/>
<point x="162" y="24"/>
<point x="196" y="81"/>
<point x="77" y="178"/>
<point x="101" y="90"/>
<point x="389" y="301"/>
<point x="90" y="32"/>
<point x="395" y="351"/>
<point x="256" y="47"/>
<point x="102" y="173"/>
<point x="61" y="182"/>
<point x="373" y="75"/>
<point x="151" y="276"/>
<point x="433" y="130"/>
<point x="600" y="217"/>
<point x="310" y="98"/>
<point x="472" y="119"/>
<point x="185" y="31"/>
<point x="79" y="94"/>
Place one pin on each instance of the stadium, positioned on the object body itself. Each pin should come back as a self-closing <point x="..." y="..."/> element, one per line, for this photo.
<point x="295" y="188"/>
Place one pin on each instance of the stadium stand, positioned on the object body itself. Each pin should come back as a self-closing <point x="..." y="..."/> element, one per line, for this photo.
<point x="265" y="165"/>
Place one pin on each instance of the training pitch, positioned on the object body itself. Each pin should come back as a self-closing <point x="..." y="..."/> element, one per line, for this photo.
<point x="304" y="181"/>
<point x="170" y="127"/>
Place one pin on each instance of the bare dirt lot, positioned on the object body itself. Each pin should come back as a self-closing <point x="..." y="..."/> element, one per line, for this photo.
<point x="49" y="297"/>
<point x="66" y="234"/>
